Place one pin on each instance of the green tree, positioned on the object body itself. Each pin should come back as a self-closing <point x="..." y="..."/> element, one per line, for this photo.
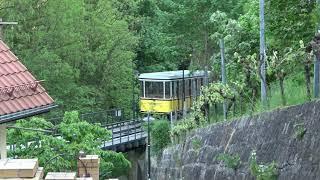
<point x="82" y="49"/>
<point x="160" y="136"/>
<point x="60" y="153"/>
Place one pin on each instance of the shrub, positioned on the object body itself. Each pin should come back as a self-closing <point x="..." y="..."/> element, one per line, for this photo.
<point x="196" y="144"/>
<point x="262" y="172"/>
<point x="300" y="131"/>
<point x="230" y="161"/>
<point x="160" y="136"/>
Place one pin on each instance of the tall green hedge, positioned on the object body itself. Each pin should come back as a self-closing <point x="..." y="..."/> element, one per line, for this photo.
<point x="160" y="136"/>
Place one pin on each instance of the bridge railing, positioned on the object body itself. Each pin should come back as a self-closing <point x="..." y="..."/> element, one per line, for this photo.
<point x="102" y="117"/>
<point x="125" y="131"/>
<point x="113" y="120"/>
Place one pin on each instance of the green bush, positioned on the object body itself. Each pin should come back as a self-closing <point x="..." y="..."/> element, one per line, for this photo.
<point x="160" y="136"/>
<point x="230" y="161"/>
<point x="261" y="171"/>
<point x="196" y="145"/>
<point x="300" y="131"/>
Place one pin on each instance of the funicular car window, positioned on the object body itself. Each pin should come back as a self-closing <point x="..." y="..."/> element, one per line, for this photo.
<point x="167" y="88"/>
<point x="154" y="89"/>
<point x="187" y="87"/>
<point x="141" y="89"/>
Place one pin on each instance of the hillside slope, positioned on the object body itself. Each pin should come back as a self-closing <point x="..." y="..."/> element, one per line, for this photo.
<point x="274" y="136"/>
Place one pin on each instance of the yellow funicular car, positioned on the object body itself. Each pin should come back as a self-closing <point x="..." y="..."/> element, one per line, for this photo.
<point x="170" y="92"/>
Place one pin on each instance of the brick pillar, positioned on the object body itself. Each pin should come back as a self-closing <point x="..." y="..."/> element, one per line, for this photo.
<point x="90" y="165"/>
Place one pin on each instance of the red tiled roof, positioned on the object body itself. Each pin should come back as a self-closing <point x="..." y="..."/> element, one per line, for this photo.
<point x="19" y="90"/>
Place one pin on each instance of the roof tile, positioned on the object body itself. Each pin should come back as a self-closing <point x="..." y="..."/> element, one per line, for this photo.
<point x="14" y="75"/>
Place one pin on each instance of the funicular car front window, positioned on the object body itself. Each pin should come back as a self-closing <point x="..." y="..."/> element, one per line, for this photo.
<point x="154" y="89"/>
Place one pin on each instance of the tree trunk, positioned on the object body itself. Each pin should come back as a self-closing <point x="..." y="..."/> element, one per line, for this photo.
<point x="283" y="98"/>
<point x="254" y="93"/>
<point x="308" y="81"/>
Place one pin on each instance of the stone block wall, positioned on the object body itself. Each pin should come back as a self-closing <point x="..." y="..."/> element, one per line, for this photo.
<point x="274" y="136"/>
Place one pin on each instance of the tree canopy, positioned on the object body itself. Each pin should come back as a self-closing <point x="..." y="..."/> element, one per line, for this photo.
<point x="88" y="53"/>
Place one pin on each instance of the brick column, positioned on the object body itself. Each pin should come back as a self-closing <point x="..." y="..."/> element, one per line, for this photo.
<point x="90" y="165"/>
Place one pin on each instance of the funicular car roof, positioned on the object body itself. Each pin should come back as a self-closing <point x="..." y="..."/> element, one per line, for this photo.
<point x="171" y="75"/>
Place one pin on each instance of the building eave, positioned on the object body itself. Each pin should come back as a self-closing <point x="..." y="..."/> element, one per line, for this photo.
<point x="26" y="113"/>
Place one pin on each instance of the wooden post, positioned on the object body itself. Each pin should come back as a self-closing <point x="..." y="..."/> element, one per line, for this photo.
<point x="3" y="141"/>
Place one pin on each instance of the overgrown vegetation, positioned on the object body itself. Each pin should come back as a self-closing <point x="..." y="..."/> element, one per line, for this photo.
<point x="160" y="136"/>
<point x="196" y="144"/>
<point x="230" y="161"/>
<point x="88" y="53"/>
<point x="261" y="171"/>
<point x="289" y="56"/>
<point x="299" y="131"/>
<point x="60" y="153"/>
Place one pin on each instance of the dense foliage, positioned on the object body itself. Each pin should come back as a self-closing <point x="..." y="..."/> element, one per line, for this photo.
<point x="82" y="49"/>
<point x="160" y="136"/>
<point x="59" y="153"/>
<point x="88" y="53"/>
<point x="261" y="171"/>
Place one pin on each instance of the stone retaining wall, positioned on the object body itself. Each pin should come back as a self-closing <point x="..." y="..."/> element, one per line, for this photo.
<point x="274" y="135"/>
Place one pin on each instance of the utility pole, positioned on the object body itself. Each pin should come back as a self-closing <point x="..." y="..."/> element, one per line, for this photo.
<point x="3" y="128"/>
<point x="316" y="66"/>
<point x="263" y="57"/>
<point x="223" y="75"/>
<point x="149" y="149"/>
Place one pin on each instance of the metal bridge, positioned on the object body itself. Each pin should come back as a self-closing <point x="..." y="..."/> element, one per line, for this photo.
<point x="126" y="135"/>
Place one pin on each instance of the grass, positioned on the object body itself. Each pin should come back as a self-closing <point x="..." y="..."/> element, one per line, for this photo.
<point x="295" y="93"/>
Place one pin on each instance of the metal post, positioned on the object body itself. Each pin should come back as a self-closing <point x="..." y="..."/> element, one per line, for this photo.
<point x="133" y="104"/>
<point x="149" y="159"/>
<point x="206" y="83"/>
<point x="223" y="76"/>
<point x="171" y="120"/>
<point x="316" y="67"/>
<point x="3" y="141"/>
<point x="183" y="94"/>
<point x="3" y="129"/>
<point x="128" y="130"/>
<point x="135" y="129"/>
<point x="112" y="133"/>
<point x="120" y="133"/>
<point x="316" y="77"/>
<point x="262" y="57"/>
